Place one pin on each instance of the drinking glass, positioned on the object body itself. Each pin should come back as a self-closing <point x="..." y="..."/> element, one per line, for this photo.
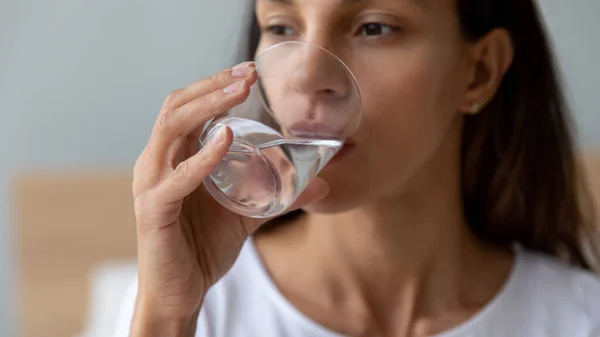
<point x="305" y="103"/>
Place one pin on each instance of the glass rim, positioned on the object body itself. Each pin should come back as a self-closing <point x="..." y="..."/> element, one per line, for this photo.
<point x="335" y="57"/>
<point x="348" y="70"/>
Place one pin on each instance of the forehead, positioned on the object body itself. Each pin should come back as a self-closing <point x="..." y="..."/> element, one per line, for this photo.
<point x="291" y="2"/>
<point x="419" y="3"/>
<point x="420" y="8"/>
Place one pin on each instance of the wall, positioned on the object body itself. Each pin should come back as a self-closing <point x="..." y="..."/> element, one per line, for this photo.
<point x="81" y="82"/>
<point x="574" y="27"/>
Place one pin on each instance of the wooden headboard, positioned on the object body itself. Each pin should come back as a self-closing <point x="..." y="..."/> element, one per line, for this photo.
<point x="591" y="163"/>
<point x="67" y="223"/>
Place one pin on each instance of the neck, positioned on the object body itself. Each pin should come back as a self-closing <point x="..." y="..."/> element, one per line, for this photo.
<point x="390" y="237"/>
<point x="389" y="263"/>
<point x="398" y="260"/>
<point x="416" y="235"/>
<point x="405" y="233"/>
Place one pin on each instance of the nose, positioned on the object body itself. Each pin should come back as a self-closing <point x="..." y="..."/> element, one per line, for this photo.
<point x="319" y="74"/>
<point x="309" y="90"/>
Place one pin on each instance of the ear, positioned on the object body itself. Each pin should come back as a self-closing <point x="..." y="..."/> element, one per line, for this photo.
<point x="491" y="57"/>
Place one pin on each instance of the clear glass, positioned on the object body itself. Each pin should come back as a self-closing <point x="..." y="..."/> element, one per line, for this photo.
<point x="305" y="103"/>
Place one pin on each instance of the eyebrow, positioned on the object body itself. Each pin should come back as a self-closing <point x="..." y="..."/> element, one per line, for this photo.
<point x="290" y="2"/>
<point x="421" y="5"/>
<point x="343" y="2"/>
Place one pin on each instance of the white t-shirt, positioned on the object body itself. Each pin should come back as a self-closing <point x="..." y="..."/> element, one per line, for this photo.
<point x="542" y="298"/>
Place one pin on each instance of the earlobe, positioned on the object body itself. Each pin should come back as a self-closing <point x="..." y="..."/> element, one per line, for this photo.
<point x="475" y="108"/>
<point x="492" y="57"/>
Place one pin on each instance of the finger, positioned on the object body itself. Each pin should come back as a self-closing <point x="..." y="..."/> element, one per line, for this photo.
<point x="189" y="174"/>
<point x="193" y="116"/>
<point x="226" y="85"/>
<point x="207" y="85"/>
<point x="190" y="147"/>
<point x="192" y="143"/>
<point x="168" y="138"/>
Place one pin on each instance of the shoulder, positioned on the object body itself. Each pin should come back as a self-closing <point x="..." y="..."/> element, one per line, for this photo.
<point x="543" y="297"/>
<point x="557" y="293"/>
<point x="547" y="273"/>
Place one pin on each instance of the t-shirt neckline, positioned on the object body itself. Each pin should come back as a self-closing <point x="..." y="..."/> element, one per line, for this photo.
<point x="319" y="330"/>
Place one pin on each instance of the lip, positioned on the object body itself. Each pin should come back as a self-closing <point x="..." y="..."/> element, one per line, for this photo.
<point x="342" y="152"/>
<point x="349" y="142"/>
<point x="320" y="130"/>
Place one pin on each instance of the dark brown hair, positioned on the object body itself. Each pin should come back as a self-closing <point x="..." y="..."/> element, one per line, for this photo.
<point x="521" y="180"/>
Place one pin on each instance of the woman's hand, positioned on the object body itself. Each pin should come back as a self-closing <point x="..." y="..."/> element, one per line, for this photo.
<point x="186" y="240"/>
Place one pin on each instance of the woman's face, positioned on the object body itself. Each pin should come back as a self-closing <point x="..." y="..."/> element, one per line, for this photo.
<point x="411" y="64"/>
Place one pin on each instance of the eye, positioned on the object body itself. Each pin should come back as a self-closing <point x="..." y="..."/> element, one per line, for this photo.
<point x="376" y="29"/>
<point x="280" y="30"/>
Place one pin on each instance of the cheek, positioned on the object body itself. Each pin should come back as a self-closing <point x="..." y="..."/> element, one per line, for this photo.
<point x="410" y="99"/>
<point x="410" y="103"/>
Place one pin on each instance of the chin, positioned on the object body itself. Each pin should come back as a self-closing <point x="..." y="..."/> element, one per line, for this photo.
<point x="335" y="202"/>
<point x="319" y="208"/>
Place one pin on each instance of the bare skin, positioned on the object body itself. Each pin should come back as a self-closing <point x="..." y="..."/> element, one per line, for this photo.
<point x="186" y="241"/>
<point x="384" y="249"/>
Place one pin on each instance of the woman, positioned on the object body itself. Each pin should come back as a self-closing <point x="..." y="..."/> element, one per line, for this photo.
<point x="457" y="211"/>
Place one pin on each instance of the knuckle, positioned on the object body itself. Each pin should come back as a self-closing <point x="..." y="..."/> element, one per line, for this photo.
<point x="136" y="183"/>
<point x="165" y="118"/>
<point x="207" y="157"/>
<point x="144" y="206"/>
<point x="142" y="180"/>
<point x="168" y="125"/>
<point x="171" y="97"/>
<point x="135" y="188"/>
<point x="151" y="211"/>
<point x="217" y="79"/>
<point x="139" y="203"/>
<point x="215" y="104"/>
<point x="212" y="80"/>
<point x="141" y="166"/>
<point x="182" y="171"/>
<point x="136" y="168"/>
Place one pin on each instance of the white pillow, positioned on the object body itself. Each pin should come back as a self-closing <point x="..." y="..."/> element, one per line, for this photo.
<point x="109" y="282"/>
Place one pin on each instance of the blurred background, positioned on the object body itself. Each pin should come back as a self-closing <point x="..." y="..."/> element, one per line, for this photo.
<point x="81" y="82"/>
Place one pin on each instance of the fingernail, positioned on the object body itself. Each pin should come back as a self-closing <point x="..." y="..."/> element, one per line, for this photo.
<point x="243" y="65"/>
<point x="233" y="88"/>
<point x="242" y="72"/>
<point x="219" y="136"/>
